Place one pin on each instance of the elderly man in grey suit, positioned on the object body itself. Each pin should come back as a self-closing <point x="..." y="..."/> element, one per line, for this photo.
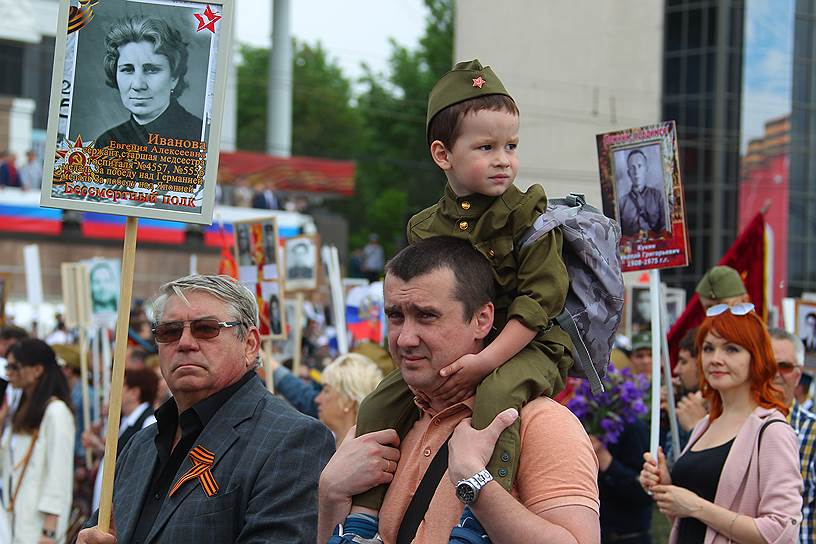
<point x="226" y="460"/>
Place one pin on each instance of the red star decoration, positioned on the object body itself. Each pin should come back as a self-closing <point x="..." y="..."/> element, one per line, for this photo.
<point x="478" y="82"/>
<point x="211" y="16"/>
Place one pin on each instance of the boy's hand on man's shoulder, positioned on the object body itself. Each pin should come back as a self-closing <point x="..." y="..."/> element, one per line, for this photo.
<point x="463" y="375"/>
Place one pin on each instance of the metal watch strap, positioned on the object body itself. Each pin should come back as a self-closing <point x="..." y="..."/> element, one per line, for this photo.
<point x="481" y="478"/>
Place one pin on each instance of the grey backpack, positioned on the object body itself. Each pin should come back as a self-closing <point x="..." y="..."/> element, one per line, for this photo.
<point x="594" y="303"/>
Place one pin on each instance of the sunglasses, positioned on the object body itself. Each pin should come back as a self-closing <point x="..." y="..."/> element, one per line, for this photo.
<point x="786" y="367"/>
<point x="742" y="308"/>
<point x="202" y="329"/>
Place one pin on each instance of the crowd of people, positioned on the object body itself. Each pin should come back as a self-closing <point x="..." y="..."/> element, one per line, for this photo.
<point x="458" y="434"/>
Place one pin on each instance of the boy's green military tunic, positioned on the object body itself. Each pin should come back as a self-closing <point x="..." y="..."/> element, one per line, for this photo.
<point x="531" y="287"/>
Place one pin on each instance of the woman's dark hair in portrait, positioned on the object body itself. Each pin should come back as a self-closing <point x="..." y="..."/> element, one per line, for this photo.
<point x="166" y="41"/>
<point x="32" y="352"/>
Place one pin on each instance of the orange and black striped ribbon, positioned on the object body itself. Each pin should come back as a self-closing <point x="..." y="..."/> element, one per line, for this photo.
<point x="202" y="461"/>
<point x="81" y="16"/>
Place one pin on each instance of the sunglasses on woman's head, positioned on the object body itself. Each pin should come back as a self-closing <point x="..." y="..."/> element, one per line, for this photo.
<point x="742" y="308"/>
<point x="203" y="329"/>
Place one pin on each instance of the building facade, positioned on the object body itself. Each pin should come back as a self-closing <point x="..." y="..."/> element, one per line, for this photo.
<point x="731" y="73"/>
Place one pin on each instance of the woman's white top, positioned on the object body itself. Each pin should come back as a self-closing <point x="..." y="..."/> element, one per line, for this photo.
<point x="47" y="485"/>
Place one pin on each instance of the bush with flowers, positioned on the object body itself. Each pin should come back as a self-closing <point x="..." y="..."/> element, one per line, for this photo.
<point x="625" y="399"/>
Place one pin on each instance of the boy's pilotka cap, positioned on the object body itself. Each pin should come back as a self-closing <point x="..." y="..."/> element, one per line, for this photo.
<point x="467" y="80"/>
<point x="721" y="282"/>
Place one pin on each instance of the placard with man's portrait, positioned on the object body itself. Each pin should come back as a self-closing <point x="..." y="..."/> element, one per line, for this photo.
<point x="641" y="189"/>
<point x="301" y="263"/>
<point x="806" y="327"/>
<point x="137" y="95"/>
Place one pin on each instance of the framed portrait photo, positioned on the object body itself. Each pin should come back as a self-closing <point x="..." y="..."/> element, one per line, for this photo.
<point x="641" y="189"/>
<point x="103" y="281"/>
<point x="805" y="321"/>
<point x="639" y="317"/>
<point x="259" y="269"/>
<point x="136" y="104"/>
<point x="302" y="263"/>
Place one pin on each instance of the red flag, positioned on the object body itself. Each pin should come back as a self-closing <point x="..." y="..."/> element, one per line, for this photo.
<point x="227" y="264"/>
<point x="747" y="256"/>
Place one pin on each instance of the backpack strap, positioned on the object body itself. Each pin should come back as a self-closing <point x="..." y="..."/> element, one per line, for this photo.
<point x="567" y="324"/>
<point x="422" y="498"/>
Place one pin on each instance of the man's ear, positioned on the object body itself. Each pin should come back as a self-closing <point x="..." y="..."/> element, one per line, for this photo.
<point x="484" y="320"/>
<point x="440" y="155"/>
<point x="252" y="345"/>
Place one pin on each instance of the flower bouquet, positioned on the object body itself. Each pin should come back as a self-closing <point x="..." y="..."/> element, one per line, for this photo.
<point x="605" y="415"/>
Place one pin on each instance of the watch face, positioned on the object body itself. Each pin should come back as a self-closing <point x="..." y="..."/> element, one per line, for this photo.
<point x="465" y="493"/>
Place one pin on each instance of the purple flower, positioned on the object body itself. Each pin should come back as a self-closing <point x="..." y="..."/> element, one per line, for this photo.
<point x="605" y="415"/>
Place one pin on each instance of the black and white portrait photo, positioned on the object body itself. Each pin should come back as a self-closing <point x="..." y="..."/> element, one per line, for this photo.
<point x="141" y="69"/>
<point x="243" y="241"/>
<point x="640" y="309"/>
<point x="103" y="279"/>
<point x="270" y="250"/>
<point x="132" y="132"/>
<point x="641" y="193"/>
<point x="301" y="263"/>
<point x="806" y="326"/>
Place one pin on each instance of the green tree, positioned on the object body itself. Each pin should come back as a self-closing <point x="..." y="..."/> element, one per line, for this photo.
<point x="395" y="174"/>
<point x="324" y="121"/>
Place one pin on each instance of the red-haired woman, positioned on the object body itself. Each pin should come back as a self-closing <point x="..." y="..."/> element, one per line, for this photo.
<point x="738" y="478"/>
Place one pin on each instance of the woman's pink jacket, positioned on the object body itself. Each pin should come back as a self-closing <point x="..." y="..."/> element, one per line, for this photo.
<point x="763" y="483"/>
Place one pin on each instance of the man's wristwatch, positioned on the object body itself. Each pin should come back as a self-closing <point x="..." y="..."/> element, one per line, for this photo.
<point x="467" y="490"/>
<point x="52" y="534"/>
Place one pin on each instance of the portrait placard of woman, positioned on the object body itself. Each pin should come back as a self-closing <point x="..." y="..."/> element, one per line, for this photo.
<point x="146" y="61"/>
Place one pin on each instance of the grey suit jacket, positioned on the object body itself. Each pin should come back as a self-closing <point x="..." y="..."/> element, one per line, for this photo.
<point x="268" y="459"/>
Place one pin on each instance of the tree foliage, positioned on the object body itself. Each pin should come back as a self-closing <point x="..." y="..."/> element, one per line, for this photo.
<point x="394" y="154"/>
<point x="382" y="129"/>
<point x="324" y="121"/>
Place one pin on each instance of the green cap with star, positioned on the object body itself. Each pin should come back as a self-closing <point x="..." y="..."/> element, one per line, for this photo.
<point x="642" y="340"/>
<point x="721" y="282"/>
<point x="467" y="80"/>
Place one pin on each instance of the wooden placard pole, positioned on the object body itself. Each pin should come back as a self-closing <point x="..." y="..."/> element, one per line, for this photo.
<point x="270" y="380"/>
<point x="96" y="347"/>
<point x="86" y="398"/>
<point x="654" y="295"/>
<point x="297" y="340"/>
<point x="118" y="374"/>
<point x="77" y="314"/>
<point x="83" y="291"/>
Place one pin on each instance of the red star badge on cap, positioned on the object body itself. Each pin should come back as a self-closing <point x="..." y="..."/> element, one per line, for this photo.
<point x="478" y="82"/>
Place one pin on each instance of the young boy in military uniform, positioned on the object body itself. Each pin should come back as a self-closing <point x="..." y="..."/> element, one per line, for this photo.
<point x="472" y="130"/>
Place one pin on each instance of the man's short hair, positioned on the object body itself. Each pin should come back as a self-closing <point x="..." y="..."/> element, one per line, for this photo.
<point x="689" y="342"/>
<point x="445" y="124"/>
<point x="146" y="380"/>
<point x="240" y="302"/>
<point x="636" y="152"/>
<point x="474" y="283"/>
<point x="13" y="332"/>
<point x="798" y="345"/>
